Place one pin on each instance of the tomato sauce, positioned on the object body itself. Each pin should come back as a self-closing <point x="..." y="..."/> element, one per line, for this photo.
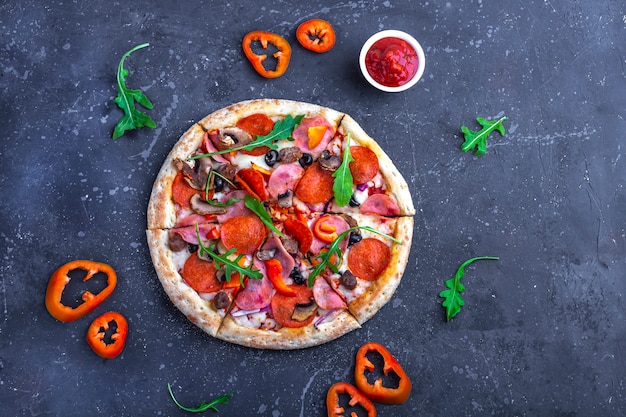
<point x="391" y="61"/>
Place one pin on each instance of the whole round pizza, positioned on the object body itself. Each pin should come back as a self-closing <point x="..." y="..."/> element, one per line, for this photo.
<point x="279" y="224"/>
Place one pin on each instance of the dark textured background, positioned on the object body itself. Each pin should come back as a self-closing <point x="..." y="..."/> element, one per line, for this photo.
<point x="542" y="332"/>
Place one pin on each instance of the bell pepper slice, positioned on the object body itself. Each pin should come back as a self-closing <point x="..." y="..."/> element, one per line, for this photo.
<point x="377" y="391"/>
<point x="275" y="274"/>
<point x="334" y="408"/>
<point x="316" y="134"/>
<point x="108" y="347"/>
<point x="316" y="35"/>
<point x="324" y="230"/>
<point x="283" y="55"/>
<point x="59" y="280"/>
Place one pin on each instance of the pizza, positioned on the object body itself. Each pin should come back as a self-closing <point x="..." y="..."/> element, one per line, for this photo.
<point x="278" y="224"/>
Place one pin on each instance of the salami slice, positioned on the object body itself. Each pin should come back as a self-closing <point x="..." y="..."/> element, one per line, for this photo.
<point x="368" y="258"/>
<point x="182" y="191"/>
<point x="365" y="164"/>
<point x="315" y="186"/>
<point x="283" y="179"/>
<point x="380" y="204"/>
<point x="244" y="233"/>
<point x="201" y="275"/>
<point x="283" y="307"/>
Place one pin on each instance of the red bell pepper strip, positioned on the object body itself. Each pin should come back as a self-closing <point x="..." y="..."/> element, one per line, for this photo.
<point x="283" y="55"/>
<point x="59" y="279"/>
<point x="316" y="35"/>
<point x="377" y="392"/>
<point x="275" y="274"/>
<point x="108" y="348"/>
<point x="334" y="409"/>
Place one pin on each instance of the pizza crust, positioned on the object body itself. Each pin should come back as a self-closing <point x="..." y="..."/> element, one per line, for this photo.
<point x="199" y="311"/>
<point x="161" y="209"/>
<point x="396" y="184"/>
<point x="288" y="338"/>
<point x="381" y="290"/>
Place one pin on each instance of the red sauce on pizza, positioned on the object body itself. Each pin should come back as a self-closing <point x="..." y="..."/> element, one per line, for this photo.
<point x="391" y="61"/>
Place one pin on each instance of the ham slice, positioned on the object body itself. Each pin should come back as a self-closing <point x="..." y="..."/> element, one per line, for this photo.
<point x="210" y="146"/>
<point x="257" y="293"/>
<point x="234" y="210"/>
<point x="190" y="220"/>
<point x="283" y="179"/>
<point x="325" y="297"/>
<point x="380" y="204"/>
<point x="188" y="233"/>
<point x="301" y="135"/>
<point x="285" y="259"/>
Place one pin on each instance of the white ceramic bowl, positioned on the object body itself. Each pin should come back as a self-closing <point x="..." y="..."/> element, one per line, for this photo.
<point x="395" y="34"/>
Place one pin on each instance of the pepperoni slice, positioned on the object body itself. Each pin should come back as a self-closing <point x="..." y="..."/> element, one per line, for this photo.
<point x="182" y="191"/>
<point x="298" y="230"/>
<point x="252" y="181"/>
<point x="368" y="258"/>
<point x="256" y="124"/>
<point x="201" y="275"/>
<point x="365" y="164"/>
<point x="283" y="306"/>
<point x="315" y="186"/>
<point x="244" y="233"/>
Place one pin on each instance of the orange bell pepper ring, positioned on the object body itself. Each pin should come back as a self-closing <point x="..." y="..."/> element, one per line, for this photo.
<point x="324" y="230"/>
<point x="275" y="274"/>
<point x="107" y="334"/>
<point x="59" y="280"/>
<point x="378" y="392"/>
<point x="335" y="409"/>
<point x="316" y="35"/>
<point x="283" y="55"/>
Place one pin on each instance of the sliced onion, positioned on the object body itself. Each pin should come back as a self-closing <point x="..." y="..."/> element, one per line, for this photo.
<point x="240" y="313"/>
<point x="361" y="187"/>
<point x="318" y="321"/>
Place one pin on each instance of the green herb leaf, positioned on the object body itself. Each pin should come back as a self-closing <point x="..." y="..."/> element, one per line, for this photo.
<point x="342" y="186"/>
<point x="229" y="265"/>
<point x="133" y="118"/>
<point x="222" y="399"/>
<point x="283" y="129"/>
<point x="257" y="207"/>
<point x="334" y="249"/>
<point x="452" y="296"/>
<point x="477" y="141"/>
<point x="230" y="202"/>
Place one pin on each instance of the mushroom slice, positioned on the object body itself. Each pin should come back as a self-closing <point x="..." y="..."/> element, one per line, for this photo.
<point x="202" y="207"/>
<point x="196" y="172"/>
<point x="232" y="137"/>
<point x="329" y="162"/>
<point x="304" y="311"/>
<point x="285" y="200"/>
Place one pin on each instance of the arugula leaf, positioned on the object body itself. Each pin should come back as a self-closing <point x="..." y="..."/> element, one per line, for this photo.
<point x="477" y="141"/>
<point x="334" y="249"/>
<point x="125" y="100"/>
<point x="257" y="207"/>
<point x="283" y="129"/>
<point x="452" y="296"/>
<point x="342" y="186"/>
<point x="230" y="202"/>
<point x="222" y="399"/>
<point x="224" y="261"/>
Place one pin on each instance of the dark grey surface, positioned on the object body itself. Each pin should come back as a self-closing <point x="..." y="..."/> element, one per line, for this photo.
<point x="543" y="331"/>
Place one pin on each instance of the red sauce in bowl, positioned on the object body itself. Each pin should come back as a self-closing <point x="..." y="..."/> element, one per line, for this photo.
<point x="391" y="61"/>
